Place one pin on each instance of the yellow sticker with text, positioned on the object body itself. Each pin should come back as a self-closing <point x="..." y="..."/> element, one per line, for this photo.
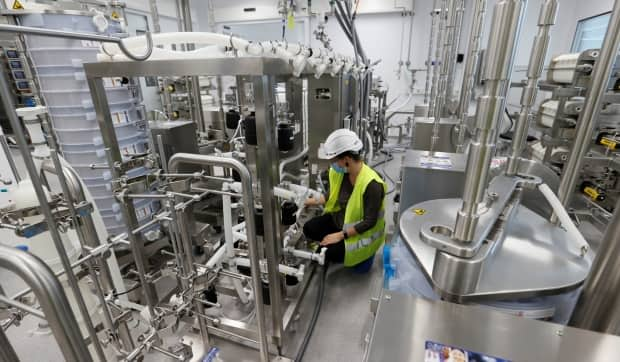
<point x="114" y="15"/>
<point x="419" y="212"/>
<point x="17" y="5"/>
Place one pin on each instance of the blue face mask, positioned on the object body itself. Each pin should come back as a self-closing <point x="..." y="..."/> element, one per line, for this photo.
<point x="338" y="169"/>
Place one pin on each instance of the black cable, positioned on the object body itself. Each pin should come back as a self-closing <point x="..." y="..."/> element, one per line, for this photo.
<point x="128" y="290"/>
<point x="315" y="315"/>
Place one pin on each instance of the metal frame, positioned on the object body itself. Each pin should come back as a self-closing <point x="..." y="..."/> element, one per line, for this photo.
<point x="53" y="301"/>
<point x="261" y="73"/>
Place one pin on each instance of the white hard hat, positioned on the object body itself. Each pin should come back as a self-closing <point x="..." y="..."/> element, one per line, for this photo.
<point x="338" y="142"/>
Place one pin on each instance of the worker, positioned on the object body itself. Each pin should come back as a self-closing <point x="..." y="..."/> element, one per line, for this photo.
<point x="352" y="227"/>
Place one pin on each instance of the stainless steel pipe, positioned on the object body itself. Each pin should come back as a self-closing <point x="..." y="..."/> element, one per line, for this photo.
<point x="438" y="60"/>
<point x="246" y="182"/>
<point x="440" y="99"/>
<point x="467" y="87"/>
<point x="7" y="101"/>
<point x="546" y="19"/>
<point x="82" y="36"/>
<point x="429" y="59"/>
<point x="591" y="108"/>
<point x="53" y="301"/>
<point x="456" y="38"/>
<point x="196" y="101"/>
<point x="505" y="28"/>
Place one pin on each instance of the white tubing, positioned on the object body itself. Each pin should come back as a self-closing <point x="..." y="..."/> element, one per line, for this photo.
<point x="217" y="257"/>
<point x="565" y="220"/>
<point x="239" y="226"/>
<point x="283" y="269"/>
<point x="304" y="191"/>
<point x="318" y="257"/>
<point x="284" y="193"/>
<point x="239" y="236"/>
<point x="295" y="54"/>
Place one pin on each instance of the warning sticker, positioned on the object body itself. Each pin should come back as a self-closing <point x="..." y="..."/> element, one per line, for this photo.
<point x="17" y="5"/>
<point x="419" y="212"/>
<point x="114" y="15"/>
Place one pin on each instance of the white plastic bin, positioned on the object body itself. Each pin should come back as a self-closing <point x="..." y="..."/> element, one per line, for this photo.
<point x="98" y="187"/>
<point x="67" y="78"/>
<point x="86" y="172"/>
<point x="72" y="117"/>
<point x="82" y="98"/>
<point x="90" y="135"/>
<point x="75" y="57"/>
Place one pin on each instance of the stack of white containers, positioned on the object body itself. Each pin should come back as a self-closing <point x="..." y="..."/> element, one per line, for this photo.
<point x="58" y="64"/>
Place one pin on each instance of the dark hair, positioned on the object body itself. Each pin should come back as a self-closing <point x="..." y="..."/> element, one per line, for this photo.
<point x="356" y="156"/>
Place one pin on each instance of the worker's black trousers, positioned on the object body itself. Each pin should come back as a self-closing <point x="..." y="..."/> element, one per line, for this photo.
<point x="319" y="227"/>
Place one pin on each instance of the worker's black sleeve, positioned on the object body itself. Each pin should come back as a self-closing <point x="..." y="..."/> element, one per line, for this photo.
<point x="373" y="197"/>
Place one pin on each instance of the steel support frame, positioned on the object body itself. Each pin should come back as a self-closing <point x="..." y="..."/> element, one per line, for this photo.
<point x="262" y="73"/>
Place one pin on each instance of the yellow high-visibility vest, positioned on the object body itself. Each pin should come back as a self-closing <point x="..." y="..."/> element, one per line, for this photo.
<point x="361" y="246"/>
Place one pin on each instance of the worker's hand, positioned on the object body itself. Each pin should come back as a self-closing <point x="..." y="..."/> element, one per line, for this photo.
<point x="332" y="238"/>
<point x="310" y="202"/>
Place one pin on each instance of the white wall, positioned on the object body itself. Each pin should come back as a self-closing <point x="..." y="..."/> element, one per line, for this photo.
<point x="380" y="25"/>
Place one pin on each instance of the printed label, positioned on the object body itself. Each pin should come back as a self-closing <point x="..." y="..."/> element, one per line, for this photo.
<point x="438" y="352"/>
<point x="436" y="162"/>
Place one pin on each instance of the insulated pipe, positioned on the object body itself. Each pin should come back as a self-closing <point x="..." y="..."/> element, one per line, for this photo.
<point x="53" y="301"/>
<point x="470" y="65"/>
<point x="598" y="306"/>
<point x="246" y="180"/>
<point x="546" y="19"/>
<point x="591" y="108"/>
<point x="502" y="44"/>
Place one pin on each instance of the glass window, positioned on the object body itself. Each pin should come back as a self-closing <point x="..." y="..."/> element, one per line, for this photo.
<point x="590" y="33"/>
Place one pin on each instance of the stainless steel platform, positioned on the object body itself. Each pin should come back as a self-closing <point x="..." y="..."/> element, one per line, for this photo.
<point x="535" y="258"/>
<point x="404" y="323"/>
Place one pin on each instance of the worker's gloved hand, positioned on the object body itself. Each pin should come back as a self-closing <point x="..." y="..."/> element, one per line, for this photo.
<point x="332" y="238"/>
<point x="311" y="201"/>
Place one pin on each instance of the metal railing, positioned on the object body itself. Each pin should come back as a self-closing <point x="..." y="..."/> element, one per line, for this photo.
<point x="53" y="301"/>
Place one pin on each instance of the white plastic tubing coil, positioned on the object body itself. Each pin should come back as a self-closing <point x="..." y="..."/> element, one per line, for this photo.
<point x="320" y="59"/>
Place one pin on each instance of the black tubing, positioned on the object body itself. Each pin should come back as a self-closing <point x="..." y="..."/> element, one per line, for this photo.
<point x="315" y="316"/>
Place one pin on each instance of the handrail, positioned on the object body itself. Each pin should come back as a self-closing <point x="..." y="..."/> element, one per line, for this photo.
<point x="51" y="297"/>
<point x="82" y="36"/>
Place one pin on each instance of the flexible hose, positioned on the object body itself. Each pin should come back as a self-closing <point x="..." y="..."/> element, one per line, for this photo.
<point x="315" y="315"/>
<point x="582" y="246"/>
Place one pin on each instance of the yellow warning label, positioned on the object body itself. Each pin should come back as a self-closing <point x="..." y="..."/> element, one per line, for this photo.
<point x="419" y="212"/>
<point x="592" y="192"/>
<point x="17" y="5"/>
<point x="611" y="144"/>
<point x="114" y="15"/>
